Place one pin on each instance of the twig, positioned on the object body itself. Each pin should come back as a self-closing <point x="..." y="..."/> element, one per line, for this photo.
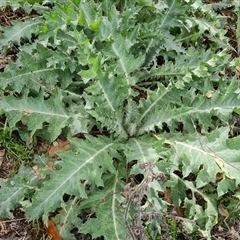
<point x="138" y="193"/>
<point x="178" y="218"/>
<point x="42" y="86"/>
<point x="13" y="220"/>
<point x="238" y="29"/>
<point x="225" y="219"/>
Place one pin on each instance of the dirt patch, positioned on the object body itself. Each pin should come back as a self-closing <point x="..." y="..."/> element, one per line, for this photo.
<point x="7" y="15"/>
<point x="19" y="228"/>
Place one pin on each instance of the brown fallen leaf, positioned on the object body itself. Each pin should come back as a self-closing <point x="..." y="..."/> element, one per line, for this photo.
<point x="167" y="196"/>
<point x="52" y="231"/>
<point x="209" y="94"/>
<point x="223" y="212"/>
<point x="180" y="211"/>
<point x="24" y="120"/>
<point x="50" y="166"/>
<point x="28" y="111"/>
<point x="59" y="145"/>
<point x="37" y="172"/>
<point x="219" y="177"/>
<point x="30" y="139"/>
<point x="2" y="156"/>
<point x="237" y="71"/>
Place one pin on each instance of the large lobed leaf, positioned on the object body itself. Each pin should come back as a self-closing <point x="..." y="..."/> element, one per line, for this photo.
<point x="68" y="219"/>
<point x="202" y="109"/>
<point x="19" y="32"/>
<point x="84" y="165"/>
<point x="38" y="113"/>
<point x="109" y="221"/>
<point x="14" y="190"/>
<point x="31" y="71"/>
<point x="199" y="160"/>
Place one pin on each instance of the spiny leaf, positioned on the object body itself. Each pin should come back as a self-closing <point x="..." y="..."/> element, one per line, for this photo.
<point x="109" y="221"/>
<point x="20" y="31"/>
<point x="14" y="190"/>
<point x="131" y="114"/>
<point x="141" y="150"/>
<point x="206" y="156"/>
<point x="98" y="53"/>
<point x="169" y="16"/>
<point x="196" y="155"/>
<point x="11" y="3"/>
<point x="105" y="95"/>
<point x="38" y="111"/>
<point x="153" y="105"/>
<point x="79" y="165"/>
<point x="202" y="110"/>
<point x="31" y="71"/>
<point x="68" y="219"/>
<point x="208" y="214"/>
<point x="126" y="62"/>
<point x="89" y="15"/>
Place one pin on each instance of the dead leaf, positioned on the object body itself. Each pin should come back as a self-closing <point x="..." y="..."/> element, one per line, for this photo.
<point x="28" y="111"/>
<point x="229" y="14"/>
<point x="167" y="196"/>
<point x="24" y="120"/>
<point x="2" y="156"/>
<point x="179" y="211"/>
<point x="219" y="177"/>
<point x="220" y="163"/>
<point x="209" y="94"/>
<point x="59" y="145"/>
<point x="50" y="166"/>
<point x="52" y="230"/>
<point x="37" y="173"/>
<point x="237" y="71"/>
<point x="30" y="139"/>
<point x="223" y="212"/>
<point x="129" y="188"/>
<point x="200" y="235"/>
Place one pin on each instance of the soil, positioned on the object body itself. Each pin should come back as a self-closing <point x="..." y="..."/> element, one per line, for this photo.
<point x="18" y="228"/>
